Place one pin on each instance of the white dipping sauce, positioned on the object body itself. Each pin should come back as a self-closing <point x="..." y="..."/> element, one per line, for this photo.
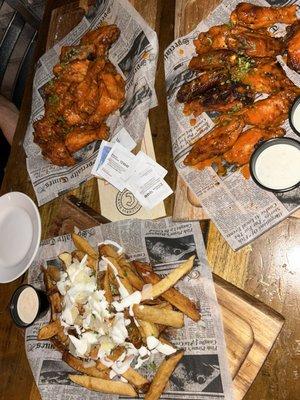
<point x="296" y="117"/>
<point x="278" y="166"/>
<point x="28" y="305"/>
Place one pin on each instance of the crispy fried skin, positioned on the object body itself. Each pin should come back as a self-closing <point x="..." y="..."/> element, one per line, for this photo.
<point x="213" y="39"/>
<point x="252" y="43"/>
<point x="214" y="59"/>
<point x="256" y="17"/>
<point x="293" y="46"/>
<point x="271" y="111"/>
<point x="201" y="84"/>
<point x="242" y="149"/>
<point x="225" y="97"/>
<point x="267" y="77"/>
<point x="220" y="139"/>
<point x="85" y="91"/>
<point x="80" y="137"/>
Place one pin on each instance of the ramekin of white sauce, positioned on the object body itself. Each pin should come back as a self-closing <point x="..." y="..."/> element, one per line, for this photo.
<point x="294" y="116"/>
<point x="27" y="305"/>
<point x="275" y="165"/>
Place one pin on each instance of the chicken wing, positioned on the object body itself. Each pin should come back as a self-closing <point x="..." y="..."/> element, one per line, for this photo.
<point x="85" y="90"/>
<point x="220" y="139"/>
<point x="252" y="43"/>
<point x="272" y="111"/>
<point x="214" y="59"/>
<point x="102" y="38"/>
<point x="213" y="39"/>
<point x="243" y="148"/>
<point x="80" y="137"/>
<point x="257" y="17"/>
<point x="229" y="96"/>
<point x="267" y="78"/>
<point x="201" y="84"/>
<point x="293" y="46"/>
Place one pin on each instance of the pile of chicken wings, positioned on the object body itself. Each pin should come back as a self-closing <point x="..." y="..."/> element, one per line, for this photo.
<point x="237" y="62"/>
<point x="86" y="89"/>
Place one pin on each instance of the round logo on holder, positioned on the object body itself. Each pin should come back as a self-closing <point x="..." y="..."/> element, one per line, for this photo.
<point x="126" y="203"/>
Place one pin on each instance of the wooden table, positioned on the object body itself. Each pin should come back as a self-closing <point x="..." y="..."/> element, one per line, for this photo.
<point x="269" y="268"/>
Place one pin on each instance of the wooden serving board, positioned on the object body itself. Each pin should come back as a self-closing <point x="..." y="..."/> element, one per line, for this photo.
<point x="188" y="14"/>
<point x="250" y="327"/>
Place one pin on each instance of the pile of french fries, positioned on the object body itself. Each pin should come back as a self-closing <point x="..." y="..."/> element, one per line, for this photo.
<point x="162" y="306"/>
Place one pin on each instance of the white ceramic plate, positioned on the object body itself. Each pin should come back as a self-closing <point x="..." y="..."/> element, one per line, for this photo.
<point x="20" y="234"/>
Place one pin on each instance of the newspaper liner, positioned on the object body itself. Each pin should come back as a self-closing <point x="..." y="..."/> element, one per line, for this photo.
<point x="203" y="373"/>
<point x="135" y="56"/>
<point x="239" y="208"/>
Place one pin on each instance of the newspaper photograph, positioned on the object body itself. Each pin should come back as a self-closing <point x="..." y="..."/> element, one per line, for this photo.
<point x="241" y="210"/>
<point x="135" y="56"/>
<point x="203" y="372"/>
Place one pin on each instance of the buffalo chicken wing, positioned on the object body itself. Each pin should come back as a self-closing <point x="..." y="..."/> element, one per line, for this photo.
<point x="86" y="89"/>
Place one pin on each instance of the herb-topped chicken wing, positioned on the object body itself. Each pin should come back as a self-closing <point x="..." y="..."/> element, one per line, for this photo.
<point x="85" y="91"/>
<point x="272" y="111"/>
<point x="237" y="61"/>
<point x="220" y="139"/>
<point x="293" y="46"/>
<point x="243" y="148"/>
<point x="257" y="17"/>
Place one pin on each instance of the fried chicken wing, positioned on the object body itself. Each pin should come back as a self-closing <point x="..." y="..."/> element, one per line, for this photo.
<point x="223" y="98"/>
<point x="257" y="17"/>
<point x="272" y="111"/>
<point x="243" y="148"/>
<point x="213" y="39"/>
<point x="220" y="139"/>
<point x="77" y="52"/>
<point x="80" y="137"/>
<point x="267" y="78"/>
<point x="293" y="46"/>
<point x="73" y="72"/>
<point x="214" y="59"/>
<point x="252" y="43"/>
<point x="202" y="83"/>
<point x="86" y="89"/>
<point x="102" y="38"/>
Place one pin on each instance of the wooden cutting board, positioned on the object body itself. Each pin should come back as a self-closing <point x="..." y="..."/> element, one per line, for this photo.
<point x="188" y="14"/>
<point x="250" y="327"/>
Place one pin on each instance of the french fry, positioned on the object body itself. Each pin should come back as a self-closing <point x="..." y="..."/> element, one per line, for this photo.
<point x="136" y="379"/>
<point x="133" y="278"/>
<point x="163" y="340"/>
<point x="62" y="336"/>
<point x="91" y="262"/>
<point x="147" y="329"/>
<point x="169" y="280"/>
<point x="108" y="251"/>
<point x="53" y="272"/>
<point x="116" y="353"/>
<point x="103" y="385"/>
<point x="58" y="344"/>
<point x="66" y="259"/>
<point x="173" y="296"/>
<point x="107" y="288"/>
<point x="78" y="365"/>
<point x="134" y="335"/>
<point x="162" y="376"/>
<point x="54" y="296"/>
<point x="121" y="275"/>
<point x="55" y="301"/>
<point x="49" y="330"/>
<point x="161" y="316"/>
<point x="83" y="245"/>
